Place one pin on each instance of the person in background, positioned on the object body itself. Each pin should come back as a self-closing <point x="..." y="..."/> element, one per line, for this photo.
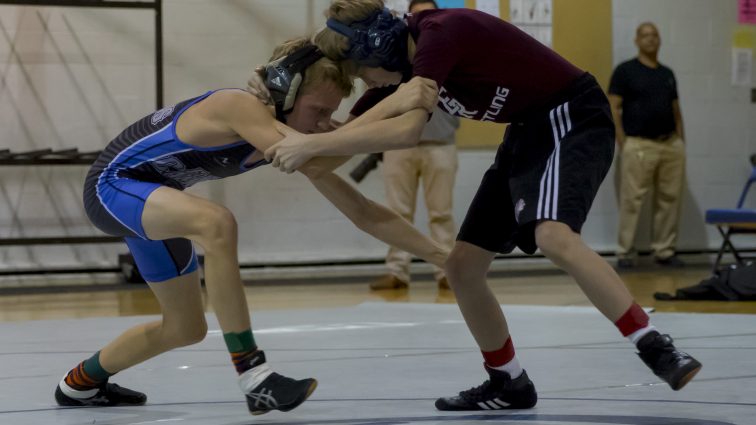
<point x="434" y="161"/>
<point x="650" y="135"/>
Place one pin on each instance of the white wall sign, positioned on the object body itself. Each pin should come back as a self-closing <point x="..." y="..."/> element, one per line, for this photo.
<point x="742" y="67"/>
<point x="489" y="6"/>
<point x="400" y="6"/>
<point x="534" y="17"/>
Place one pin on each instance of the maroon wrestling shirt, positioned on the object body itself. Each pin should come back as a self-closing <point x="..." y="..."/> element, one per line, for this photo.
<point x="486" y="69"/>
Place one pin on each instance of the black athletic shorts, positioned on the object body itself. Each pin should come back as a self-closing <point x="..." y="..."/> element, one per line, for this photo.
<point x="549" y="167"/>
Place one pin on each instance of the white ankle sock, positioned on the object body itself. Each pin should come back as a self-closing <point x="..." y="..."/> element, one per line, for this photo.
<point x="74" y="393"/>
<point x="513" y="368"/>
<point x="640" y="333"/>
<point x="250" y="379"/>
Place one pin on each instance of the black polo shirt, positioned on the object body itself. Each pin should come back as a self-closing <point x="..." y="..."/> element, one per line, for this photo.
<point x="647" y="97"/>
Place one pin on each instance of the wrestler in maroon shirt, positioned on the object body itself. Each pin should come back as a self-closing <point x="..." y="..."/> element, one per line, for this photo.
<point x="537" y="193"/>
<point x="486" y="69"/>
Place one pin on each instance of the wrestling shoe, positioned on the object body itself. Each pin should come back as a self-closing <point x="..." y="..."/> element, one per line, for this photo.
<point x="388" y="282"/>
<point x="266" y="390"/>
<point x="674" y="367"/>
<point x="500" y="392"/>
<point x="104" y="395"/>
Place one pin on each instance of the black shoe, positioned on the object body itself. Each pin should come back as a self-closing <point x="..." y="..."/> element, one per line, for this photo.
<point x="672" y="261"/>
<point x="107" y="395"/>
<point x="674" y="367"/>
<point x="500" y="392"/>
<point x="388" y="282"/>
<point x="276" y="392"/>
<point x="625" y="263"/>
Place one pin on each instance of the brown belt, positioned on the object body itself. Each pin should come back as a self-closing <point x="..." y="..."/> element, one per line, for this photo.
<point x="662" y="138"/>
<point x="666" y="137"/>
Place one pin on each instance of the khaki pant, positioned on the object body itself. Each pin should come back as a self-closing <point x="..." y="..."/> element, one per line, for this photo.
<point x="646" y="164"/>
<point x="436" y="166"/>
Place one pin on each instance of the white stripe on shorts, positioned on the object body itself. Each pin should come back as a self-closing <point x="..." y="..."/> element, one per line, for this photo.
<point x="548" y="198"/>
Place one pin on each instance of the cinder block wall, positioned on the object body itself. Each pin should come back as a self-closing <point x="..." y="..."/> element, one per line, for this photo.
<point x="73" y="77"/>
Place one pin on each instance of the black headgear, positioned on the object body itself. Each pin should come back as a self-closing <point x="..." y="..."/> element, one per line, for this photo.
<point x="380" y="40"/>
<point x="284" y="76"/>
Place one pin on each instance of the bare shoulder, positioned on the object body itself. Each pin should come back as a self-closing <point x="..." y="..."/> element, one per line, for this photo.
<point x="232" y="102"/>
<point x="245" y="115"/>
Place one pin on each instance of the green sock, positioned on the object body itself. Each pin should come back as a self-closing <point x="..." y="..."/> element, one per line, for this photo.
<point x="94" y="370"/>
<point x="239" y="342"/>
<point x="242" y="348"/>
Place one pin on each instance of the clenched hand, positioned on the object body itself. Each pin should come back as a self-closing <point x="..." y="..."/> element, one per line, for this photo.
<point x="417" y="93"/>
<point x="291" y="152"/>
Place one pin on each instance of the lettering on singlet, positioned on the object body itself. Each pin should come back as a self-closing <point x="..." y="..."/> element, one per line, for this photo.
<point x="161" y="114"/>
<point x="172" y="168"/>
<point x="453" y="106"/>
<point x="496" y="104"/>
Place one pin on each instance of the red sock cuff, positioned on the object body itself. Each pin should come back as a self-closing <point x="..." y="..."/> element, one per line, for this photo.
<point x="501" y="356"/>
<point x="633" y="320"/>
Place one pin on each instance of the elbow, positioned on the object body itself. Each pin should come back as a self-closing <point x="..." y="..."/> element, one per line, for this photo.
<point x="368" y="216"/>
<point x="413" y="137"/>
<point x="362" y="225"/>
<point x="313" y="173"/>
<point x="413" y="131"/>
<point x="361" y="220"/>
<point x="359" y="213"/>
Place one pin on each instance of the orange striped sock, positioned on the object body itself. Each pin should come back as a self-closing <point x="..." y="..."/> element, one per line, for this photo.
<point x="245" y="360"/>
<point x="242" y="347"/>
<point x="79" y="380"/>
<point x="88" y="374"/>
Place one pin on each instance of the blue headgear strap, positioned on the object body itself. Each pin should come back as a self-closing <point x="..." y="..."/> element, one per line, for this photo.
<point x="380" y="40"/>
<point x="284" y="76"/>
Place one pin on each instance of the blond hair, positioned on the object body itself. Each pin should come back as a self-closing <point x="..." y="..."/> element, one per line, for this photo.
<point x="323" y="70"/>
<point x="333" y="44"/>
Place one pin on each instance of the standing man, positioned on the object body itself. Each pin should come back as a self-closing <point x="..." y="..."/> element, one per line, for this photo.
<point x="434" y="160"/>
<point x="649" y="126"/>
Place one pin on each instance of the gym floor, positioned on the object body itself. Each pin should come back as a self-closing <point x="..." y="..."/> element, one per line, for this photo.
<point x="383" y="357"/>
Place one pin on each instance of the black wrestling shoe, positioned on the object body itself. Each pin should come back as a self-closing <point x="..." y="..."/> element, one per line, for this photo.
<point x="674" y="367"/>
<point x="274" y="392"/>
<point x="278" y="392"/>
<point x="500" y="392"/>
<point x="104" y="395"/>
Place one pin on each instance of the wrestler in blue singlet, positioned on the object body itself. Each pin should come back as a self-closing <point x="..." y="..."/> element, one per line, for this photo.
<point x="145" y="156"/>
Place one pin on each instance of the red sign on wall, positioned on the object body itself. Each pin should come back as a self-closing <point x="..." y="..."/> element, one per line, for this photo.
<point x="747" y="11"/>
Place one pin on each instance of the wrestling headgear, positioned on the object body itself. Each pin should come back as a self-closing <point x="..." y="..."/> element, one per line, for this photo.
<point x="380" y="40"/>
<point x="284" y="76"/>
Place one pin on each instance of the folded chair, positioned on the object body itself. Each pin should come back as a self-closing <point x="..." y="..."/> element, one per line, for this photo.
<point x="734" y="221"/>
